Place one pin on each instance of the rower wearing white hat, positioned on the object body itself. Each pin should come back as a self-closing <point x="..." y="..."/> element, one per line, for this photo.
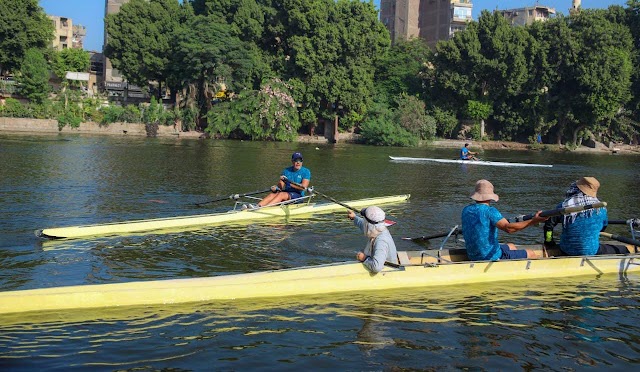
<point x="380" y="247"/>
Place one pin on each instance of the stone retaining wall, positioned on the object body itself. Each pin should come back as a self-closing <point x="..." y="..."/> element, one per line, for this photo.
<point x="28" y="125"/>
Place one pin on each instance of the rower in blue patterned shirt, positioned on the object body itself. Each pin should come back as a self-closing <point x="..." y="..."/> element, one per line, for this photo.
<point x="285" y="190"/>
<point x="480" y="225"/>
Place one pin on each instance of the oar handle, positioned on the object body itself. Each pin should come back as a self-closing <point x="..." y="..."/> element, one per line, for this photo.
<point x="324" y="196"/>
<point x="562" y="211"/>
<point x="620" y="238"/>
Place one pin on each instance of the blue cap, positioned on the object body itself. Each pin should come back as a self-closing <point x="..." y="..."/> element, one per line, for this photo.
<point x="296" y="155"/>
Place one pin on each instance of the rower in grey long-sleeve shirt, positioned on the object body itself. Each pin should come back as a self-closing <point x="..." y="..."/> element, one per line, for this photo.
<point x="380" y="248"/>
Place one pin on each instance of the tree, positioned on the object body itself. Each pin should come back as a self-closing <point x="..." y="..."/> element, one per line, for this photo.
<point x="591" y="60"/>
<point x="139" y="39"/>
<point x="401" y="69"/>
<point x="268" y="114"/>
<point x="327" y="50"/>
<point x="34" y="76"/>
<point x="490" y="62"/>
<point x="70" y="59"/>
<point x="23" y="26"/>
<point x="206" y="55"/>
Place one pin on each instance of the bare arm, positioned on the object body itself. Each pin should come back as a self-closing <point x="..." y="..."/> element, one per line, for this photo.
<point x="511" y="227"/>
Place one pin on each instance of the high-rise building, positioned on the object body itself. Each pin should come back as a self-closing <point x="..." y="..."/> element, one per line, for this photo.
<point x="111" y="75"/>
<point x="431" y="20"/>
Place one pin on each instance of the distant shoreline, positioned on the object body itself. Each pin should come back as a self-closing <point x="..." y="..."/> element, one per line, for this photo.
<point x="22" y="126"/>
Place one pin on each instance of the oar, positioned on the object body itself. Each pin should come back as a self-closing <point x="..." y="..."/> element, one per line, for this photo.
<point x="621" y="238"/>
<point x="548" y="213"/>
<point x="562" y="211"/>
<point x="313" y="191"/>
<point x="234" y="196"/>
<point x="635" y="222"/>
<point x="434" y="236"/>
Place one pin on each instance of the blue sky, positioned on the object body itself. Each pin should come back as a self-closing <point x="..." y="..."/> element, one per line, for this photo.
<point x="90" y="13"/>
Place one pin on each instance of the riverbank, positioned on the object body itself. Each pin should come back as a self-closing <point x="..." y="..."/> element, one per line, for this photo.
<point x="47" y="126"/>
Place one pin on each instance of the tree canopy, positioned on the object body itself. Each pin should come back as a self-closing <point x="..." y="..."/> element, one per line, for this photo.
<point x="23" y="26"/>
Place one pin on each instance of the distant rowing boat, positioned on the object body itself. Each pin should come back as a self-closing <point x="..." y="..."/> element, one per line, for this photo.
<point x="473" y="162"/>
<point x="173" y="223"/>
<point x="429" y="268"/>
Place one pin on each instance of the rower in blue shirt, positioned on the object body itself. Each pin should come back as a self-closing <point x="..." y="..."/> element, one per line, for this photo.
<point x="285" y="189"/>
<point x="465" y="154"/>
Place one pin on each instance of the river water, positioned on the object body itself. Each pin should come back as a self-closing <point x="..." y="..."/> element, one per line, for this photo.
<point x="50" y="181"/>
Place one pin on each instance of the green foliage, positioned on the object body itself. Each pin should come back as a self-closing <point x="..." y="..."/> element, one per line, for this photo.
<point x="69" y="118"/>
<point x="411" y="115"/>
<point x="189" y="117"/>
<point x="478" y="110"/>
<point x="34" y="76"/>
<point x="23" y="26"/>
<point x="446" y="122"/>
<point x="402" y="69"/>
<point x="381" y="128"/>
<point x="269" y="114"/>
<point x="13" y="109"/>
<point x="111" y="114"/>
<point x="70" y="59"/>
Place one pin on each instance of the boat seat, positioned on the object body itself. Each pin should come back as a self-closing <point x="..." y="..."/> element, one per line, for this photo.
<point x="403" y="258"/>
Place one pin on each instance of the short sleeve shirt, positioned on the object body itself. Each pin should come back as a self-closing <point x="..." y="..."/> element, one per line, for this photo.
<point x="480" y="232"/>
<point x="464" y="153"/>
<point x="296" y="176"/>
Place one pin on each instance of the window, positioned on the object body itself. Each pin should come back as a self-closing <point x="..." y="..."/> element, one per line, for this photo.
<point x="462" y="13"/>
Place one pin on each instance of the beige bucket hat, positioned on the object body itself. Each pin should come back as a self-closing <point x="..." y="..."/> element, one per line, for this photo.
<point x="484" y="192"/>
<point x="588" y="185"/>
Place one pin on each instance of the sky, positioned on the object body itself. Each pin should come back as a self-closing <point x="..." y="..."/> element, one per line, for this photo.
<point x="90" y="13"/>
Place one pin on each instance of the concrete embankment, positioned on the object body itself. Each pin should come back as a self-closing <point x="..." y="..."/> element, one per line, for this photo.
<point x="27" y="125"/>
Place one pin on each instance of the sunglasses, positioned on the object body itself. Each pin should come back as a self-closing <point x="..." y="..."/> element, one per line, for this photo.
<point x="297" y="160"/>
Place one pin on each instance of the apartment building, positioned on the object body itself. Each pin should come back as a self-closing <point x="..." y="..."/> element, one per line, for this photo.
<point x="63" y="30"/>
<point x="528" y="15"/>
<point x="431" y="20"/>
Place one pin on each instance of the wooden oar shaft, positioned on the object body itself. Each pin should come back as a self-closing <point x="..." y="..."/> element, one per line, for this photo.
<point x="234" y="196"/>
<point x="562" y="211"/>
<point x="622" y="239"/>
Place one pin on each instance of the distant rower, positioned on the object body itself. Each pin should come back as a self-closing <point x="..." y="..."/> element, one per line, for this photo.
<point x="465" y="154"/>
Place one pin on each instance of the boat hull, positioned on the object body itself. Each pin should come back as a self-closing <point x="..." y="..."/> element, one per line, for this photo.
<point x="176" y="223"/>
<point x="474" y="162"/>
<point x="313" y="280"/>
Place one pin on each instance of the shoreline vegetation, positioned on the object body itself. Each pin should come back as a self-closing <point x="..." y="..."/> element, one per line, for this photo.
<point x="22" y="126"/>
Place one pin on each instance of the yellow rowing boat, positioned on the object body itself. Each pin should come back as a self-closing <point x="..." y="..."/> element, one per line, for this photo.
<point x="173" y="223"/>
<point x="431" y="268"/>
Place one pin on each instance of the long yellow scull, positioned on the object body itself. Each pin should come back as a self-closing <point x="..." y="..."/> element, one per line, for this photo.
<point x="417" y="269"/>
<point x="173" y="223"/>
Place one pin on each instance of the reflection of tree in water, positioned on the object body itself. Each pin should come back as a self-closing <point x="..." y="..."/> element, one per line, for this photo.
<point x="372" y="335"/>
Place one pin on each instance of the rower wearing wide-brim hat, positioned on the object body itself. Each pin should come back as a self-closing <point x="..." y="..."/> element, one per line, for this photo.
<point x="484" y="191"/>
<point x="588" y="185"/>
<point x="481" y="222"/>
<point x="581" y="230"/>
